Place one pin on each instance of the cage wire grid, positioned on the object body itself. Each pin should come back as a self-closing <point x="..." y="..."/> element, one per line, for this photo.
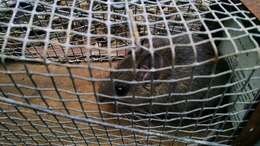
<point x="133" y="72"/>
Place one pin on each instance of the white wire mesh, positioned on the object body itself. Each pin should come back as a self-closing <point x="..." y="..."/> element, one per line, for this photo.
<point x="133" y="72"/>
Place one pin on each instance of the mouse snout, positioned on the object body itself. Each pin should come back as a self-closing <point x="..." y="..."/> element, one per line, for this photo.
<point x="103" y="99"/>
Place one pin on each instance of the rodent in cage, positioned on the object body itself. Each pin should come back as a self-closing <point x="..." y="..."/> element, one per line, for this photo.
<point x="168" y="91"/>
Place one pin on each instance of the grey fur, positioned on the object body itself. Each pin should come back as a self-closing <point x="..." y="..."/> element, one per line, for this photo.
<point x="183" y="56"/>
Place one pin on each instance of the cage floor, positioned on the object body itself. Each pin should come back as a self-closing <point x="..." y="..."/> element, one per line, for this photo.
<point x="60" y="130"/>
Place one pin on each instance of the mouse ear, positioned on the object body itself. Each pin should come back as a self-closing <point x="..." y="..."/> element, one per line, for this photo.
<point x="146" y="63"/>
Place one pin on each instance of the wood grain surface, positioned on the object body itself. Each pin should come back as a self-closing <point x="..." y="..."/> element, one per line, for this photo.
<point x="253" y="6"/>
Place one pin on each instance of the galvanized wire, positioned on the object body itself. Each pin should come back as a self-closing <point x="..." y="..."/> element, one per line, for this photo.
<point x="58" y="56"/>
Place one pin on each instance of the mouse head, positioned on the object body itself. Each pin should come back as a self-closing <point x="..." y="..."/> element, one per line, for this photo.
<point x="136" y="75"/>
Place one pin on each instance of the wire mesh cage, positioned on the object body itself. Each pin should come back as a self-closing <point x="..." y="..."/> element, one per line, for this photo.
<point x="126" y="72"/>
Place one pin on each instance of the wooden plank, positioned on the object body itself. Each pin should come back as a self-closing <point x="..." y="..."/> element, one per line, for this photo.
<point x="253" y="6"/>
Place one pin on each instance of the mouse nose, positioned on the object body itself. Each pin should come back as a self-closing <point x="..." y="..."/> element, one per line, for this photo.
<point x="103" y="99"/>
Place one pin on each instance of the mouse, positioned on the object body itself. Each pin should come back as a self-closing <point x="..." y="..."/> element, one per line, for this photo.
<point x="176" y="83"/>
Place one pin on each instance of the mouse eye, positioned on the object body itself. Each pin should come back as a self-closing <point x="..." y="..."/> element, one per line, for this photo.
<point x="121" y="89"/>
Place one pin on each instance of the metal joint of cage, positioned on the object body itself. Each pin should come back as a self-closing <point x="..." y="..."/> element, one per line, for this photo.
<point x="134" y="30"/>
